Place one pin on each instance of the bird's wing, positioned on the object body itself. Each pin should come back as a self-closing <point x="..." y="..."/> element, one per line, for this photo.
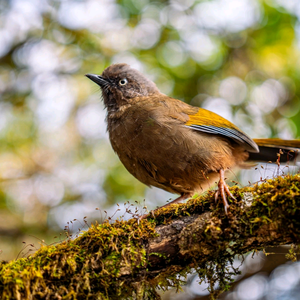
<point x="209" y="122"/>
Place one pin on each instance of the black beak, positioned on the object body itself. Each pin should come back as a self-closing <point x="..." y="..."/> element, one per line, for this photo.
<point x="102" y="82"/>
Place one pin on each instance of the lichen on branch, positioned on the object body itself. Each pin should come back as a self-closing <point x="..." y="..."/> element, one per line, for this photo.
<point x="132" y="260"/>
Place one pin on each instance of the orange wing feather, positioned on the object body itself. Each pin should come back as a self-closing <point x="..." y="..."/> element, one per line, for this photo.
<point x="209" y="122"/>
<point x="206" y="117"/>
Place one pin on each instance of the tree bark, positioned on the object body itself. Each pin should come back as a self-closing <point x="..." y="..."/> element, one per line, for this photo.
<point x="131" y="260"/>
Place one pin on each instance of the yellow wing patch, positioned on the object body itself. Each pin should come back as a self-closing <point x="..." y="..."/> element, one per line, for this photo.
<point x="208" y="118"/>
<point x="209" y="122"/>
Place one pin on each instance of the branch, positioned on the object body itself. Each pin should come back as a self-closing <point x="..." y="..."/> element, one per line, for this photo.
<point x="127" y="260"/>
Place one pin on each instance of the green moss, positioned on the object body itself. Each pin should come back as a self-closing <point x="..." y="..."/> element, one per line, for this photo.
<point x="275" y="203"/>
<point x="109" y="261"/>
<point x="85" y="268"/>
<point x="293" y="252"/>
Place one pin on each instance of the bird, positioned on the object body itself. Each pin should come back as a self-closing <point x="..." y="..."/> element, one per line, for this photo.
<point x="169" y="144"/>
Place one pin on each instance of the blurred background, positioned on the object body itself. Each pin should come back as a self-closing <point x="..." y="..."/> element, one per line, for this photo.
<point x="238" y="58"/>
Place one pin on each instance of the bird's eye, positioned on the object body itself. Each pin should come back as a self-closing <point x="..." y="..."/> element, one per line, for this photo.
<point x="123" y="81"/>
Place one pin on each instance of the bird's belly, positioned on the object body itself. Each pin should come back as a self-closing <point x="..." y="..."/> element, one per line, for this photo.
<point x="178" y="164"/>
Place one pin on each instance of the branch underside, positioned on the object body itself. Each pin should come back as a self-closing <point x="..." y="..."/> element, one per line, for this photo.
<point x="127" y="260"/>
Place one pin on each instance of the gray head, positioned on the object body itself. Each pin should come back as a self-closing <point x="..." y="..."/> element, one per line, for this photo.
<point x="120" y="83"/>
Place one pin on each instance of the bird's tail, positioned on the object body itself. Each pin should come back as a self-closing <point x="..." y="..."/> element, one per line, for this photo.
<point x="276" y="150"/>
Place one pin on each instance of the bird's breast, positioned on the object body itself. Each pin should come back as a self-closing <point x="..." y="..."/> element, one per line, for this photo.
<point x="132" y="134"/>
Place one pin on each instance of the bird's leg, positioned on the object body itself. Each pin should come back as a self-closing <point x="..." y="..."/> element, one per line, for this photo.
<point x="180" y="198"/>
<point x="223" y="190"/>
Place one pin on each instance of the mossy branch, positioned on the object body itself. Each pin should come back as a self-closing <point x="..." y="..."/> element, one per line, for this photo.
<point x="127" y="260"/>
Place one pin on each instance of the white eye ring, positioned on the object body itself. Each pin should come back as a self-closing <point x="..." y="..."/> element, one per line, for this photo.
<point x="123" y="81"/>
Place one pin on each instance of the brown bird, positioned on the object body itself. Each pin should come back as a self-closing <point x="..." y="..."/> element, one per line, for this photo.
<point x="172" y="145"/>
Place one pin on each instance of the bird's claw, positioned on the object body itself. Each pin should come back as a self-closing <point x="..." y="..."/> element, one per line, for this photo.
<point x="223" y="190"/>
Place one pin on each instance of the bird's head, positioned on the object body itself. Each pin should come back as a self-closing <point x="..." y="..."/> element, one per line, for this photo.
<point x="120" y="83"/>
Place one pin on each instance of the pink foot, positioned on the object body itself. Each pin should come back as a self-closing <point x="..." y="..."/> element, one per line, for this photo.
<point x="223" y="190"/>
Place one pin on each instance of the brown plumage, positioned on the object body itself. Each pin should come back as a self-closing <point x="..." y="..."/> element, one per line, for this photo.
<point x="167" y="143"/>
